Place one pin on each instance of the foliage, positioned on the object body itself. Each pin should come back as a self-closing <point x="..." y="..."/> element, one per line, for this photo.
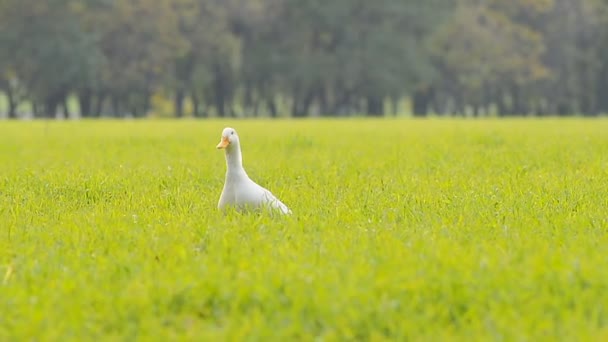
<point x="483" y="48"/>
<point x="434" y="230"/>
<point x="44" y="49"/>
<point x="305" y="58"/>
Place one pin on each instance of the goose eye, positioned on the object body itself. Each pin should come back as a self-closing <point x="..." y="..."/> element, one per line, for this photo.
<point x="232" y="132"/>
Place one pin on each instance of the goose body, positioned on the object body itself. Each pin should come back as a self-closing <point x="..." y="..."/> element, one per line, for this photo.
<point x="239" y="190"/>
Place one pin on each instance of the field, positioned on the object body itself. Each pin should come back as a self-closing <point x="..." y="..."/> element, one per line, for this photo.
<point x="430" y="230"/>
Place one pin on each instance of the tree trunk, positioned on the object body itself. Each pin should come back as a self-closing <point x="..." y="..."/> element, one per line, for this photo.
<point x="179" y="102"/>
<point x="272" y="107"/>
<point x="196" y="106"/>
<point x="440" y="103"/>
<point x="395" y="105"/>
<point x="219" y="91"/>
<point x="12" y="104"/>
<point x="519" y="107"/>
<point x="375" y="106"/>
<point x="421" y="100"/>
<point x="307" y="103"/>
<point x="459" y="109"/>
<point x="323" y="102"/>
<point x="50" y="109"/>
<point x="256" y="108"/>
<point x="601" y="86"/>
<point x="116" y="107"/>
<point x="587" y="106"/>
<point x="147" y="103"/>
<point x="248" y="99"/>
<point x="50" y="106"/>
<point x="475" y="110"/>
<point x="539" y="109"/>
<point x="66" y="109"/>
<point x="294" y="106"/>
<point x="500" y="104"/>
<point x="563" y="109"/>
<point x="35" y="109"/>
<point x="134" y="111"/>
<point x="219" y="102"/>
<point x="301" y="110"/>
<point x="85" y="102"/>
<point x="100" y="99"/>
<point x="486" y="99"/>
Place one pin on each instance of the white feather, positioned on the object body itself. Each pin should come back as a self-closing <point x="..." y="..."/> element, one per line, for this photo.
<point x="239" y="190"/>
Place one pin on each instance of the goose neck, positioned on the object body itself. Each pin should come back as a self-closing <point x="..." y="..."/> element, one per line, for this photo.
<point x="234" y="159"/>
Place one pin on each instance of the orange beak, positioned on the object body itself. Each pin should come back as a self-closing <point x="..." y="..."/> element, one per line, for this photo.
<point x="224" y="143"/>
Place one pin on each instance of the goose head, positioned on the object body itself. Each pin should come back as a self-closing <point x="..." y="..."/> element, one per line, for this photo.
<point x="229" y="139"/>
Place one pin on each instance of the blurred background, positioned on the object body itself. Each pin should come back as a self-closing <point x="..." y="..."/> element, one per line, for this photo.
<point x="301" y="58"/>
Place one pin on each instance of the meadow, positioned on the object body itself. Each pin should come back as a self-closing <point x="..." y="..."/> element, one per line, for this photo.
<point x="424" y="230"/>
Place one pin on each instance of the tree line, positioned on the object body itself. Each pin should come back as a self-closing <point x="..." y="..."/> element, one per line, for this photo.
<point x="300" y="58"/>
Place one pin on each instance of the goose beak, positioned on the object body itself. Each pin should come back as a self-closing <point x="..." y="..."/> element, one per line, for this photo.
<point x="224" y="143"/>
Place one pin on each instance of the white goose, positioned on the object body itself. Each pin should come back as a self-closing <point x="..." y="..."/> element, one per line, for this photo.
<point x="239" y="190"/>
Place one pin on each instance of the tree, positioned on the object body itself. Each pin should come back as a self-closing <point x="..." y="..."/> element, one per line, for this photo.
<point x="334" y="54"/>
<point x="139" y="42"/>
<point x="207" y="67"/>
<point x="314" y="57"/>
<point x="572" y="30"/>
<point x="47" y="53"/>
<point x="485" y="56"/>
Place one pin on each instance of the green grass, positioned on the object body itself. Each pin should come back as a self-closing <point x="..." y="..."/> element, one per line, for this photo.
<point x="402" y="229"/>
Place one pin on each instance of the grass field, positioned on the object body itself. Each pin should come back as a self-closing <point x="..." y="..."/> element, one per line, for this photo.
<point x="402" y="229"/>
